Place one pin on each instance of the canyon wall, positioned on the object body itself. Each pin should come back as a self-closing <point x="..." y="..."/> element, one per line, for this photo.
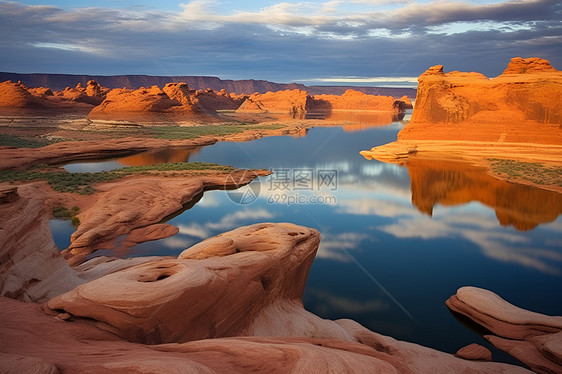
<point x="522" y="105"/>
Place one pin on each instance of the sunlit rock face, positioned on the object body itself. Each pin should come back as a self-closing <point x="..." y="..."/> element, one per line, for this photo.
<point x="524" y="104"/>
<point x="352" y="100"/>
<point x="449" y="183"/>
<point x="17" y="99"/>
<point x="172" y="103"/>
<point x="534" y="338"/>
<point x="288" y="101"/>
<point x="214" y="289"/>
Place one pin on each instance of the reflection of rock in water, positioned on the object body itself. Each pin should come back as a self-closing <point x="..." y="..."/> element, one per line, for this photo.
<point x="161" y="156"/>
<point x="449" y="183"/>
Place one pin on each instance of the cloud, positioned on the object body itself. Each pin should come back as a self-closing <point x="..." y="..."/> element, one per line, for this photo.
<point x="334" y="247"/>
<point x="228" y="222"/>
<point x="283" y="42"/>
<point x="327" y="303"/>
<point x="480" y="229"/>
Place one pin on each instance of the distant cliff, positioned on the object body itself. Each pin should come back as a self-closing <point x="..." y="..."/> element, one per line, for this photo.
<point x="248" y="86"/>
<point x="522" y="105"/>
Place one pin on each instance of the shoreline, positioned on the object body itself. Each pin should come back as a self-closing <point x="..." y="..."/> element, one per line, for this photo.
<point x="476" y="153"/>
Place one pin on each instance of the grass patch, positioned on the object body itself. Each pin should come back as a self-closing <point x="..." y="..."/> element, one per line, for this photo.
<point x="62" y="212"/>
<point x="178" y="133"/>
<point x="17" y="141"/>
<point x="82" y="183"/>
<point x="534" y="172"/>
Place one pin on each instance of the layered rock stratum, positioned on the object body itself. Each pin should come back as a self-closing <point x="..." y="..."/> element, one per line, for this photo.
<point x="533" y="338"/>
<point x="470" y="117"/>
<point x="522" y="105"/>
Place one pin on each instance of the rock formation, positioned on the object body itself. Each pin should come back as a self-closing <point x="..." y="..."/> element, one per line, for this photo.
<point x="288" y="101"/>
<point x="231" y="283"/>
<point x="62" y="152"/>
<point x="353" y="100"/>
<point x="230" y="303"/>
<point x="172" y="103"/>
<point x="16" y="98"/>
<point x="60" y="81"/>
<point x="524" y="104"/>
<point x="533" y="338"/>
<point x="16" y="95"/>
<point x="132" y="203"/>
<point x="213" y="101"/>
<point x="31" y="269"/>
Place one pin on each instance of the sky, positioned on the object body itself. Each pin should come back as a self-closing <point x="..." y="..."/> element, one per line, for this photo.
<point x="319" y="42"/>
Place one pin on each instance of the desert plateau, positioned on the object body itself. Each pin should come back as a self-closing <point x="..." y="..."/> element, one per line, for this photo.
<point x="166" y="206"/>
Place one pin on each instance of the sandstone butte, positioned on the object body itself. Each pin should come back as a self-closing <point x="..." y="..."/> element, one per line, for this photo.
<point x="299" y="101"/>
<point x="517" y="115"/>
<point x="17" y="98"/>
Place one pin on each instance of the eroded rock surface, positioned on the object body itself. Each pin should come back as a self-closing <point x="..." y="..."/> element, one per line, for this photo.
<point x="214" y="289"/>
<point x="31" y="268"/>
<point x="533" y="338"/>
<point x="131" y="203"/>
<point x="524" y="104"/>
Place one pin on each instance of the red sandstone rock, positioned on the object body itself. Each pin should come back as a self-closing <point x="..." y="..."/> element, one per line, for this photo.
<point x="32" y="268"/>
<point x="16" y="98"/>
<point x="534" y="338"/>
<point x="82" y="348"/>
<point x="144" y="303"/>
<point x="354" y="100"/>
<point x="531" y="65"/>
<point x="133" y="202"/>
<point x="474" y="352"/>
<point x="174" y="103"/>
<point x="212" y="101"/>
<point x="15" y="95"/>
<point x="522" y="105"/>
<point x="288" y="101"/>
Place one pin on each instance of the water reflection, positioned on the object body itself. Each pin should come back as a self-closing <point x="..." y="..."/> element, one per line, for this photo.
<point x="448" y="183"/>
<point x="160" y="156"/>
<point x="422" y="232"/>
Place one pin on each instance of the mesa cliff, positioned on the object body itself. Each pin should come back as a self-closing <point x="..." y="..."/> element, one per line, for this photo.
<point x="470" y="117"/>
<point x="522" y="105"/>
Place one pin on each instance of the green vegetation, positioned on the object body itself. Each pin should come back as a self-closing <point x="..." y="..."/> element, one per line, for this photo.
<point x="178" y="133"/>
<point x="82" y="183"/>
<point x="533" y="172"/>
<point x="16" y="141"/>
<point x="61" y="212"/>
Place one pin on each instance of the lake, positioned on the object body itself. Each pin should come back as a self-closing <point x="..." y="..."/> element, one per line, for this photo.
<point x="396" y="241"/>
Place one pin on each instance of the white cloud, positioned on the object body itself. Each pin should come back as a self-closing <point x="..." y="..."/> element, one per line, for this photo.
<point x="177" y="243"/>
<point x="228" y="222"/>
<point x="335" y="247"/>
<point x="482" y="231"/>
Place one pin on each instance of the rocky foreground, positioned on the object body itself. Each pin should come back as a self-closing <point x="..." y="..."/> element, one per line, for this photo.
<point x="231" y="303"/>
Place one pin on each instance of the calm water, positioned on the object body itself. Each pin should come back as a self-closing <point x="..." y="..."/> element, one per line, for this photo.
<point x="396" y="241"/>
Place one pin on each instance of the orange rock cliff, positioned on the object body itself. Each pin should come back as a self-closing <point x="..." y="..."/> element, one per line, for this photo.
<point x="524" y="104"/>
